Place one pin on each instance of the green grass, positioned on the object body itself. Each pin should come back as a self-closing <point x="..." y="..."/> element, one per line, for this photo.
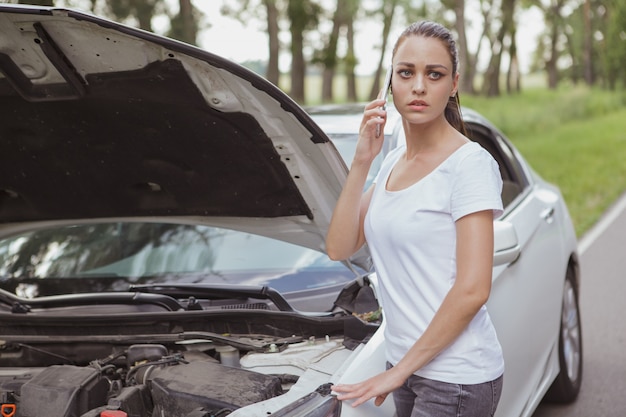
<point x="574" y="138"/>
<point x="537" y="110"/>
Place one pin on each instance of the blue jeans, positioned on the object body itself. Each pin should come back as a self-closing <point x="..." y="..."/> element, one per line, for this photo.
<point x="421" y="397"/>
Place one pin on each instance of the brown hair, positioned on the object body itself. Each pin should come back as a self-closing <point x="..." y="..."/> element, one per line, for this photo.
<point x="429" y="29"/>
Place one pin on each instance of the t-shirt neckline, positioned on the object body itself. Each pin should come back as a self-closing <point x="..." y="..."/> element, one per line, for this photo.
<point x="435" y="169"/>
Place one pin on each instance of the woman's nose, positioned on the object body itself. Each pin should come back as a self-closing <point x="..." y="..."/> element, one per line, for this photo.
<point x="419" y="87"/>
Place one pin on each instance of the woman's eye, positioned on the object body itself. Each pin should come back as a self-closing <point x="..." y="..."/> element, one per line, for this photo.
<point x="435" y="75"/>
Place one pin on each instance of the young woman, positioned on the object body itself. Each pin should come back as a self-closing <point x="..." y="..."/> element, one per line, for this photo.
<point x="428" y="221"/>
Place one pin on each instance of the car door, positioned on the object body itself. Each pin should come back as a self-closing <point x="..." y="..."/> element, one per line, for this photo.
<point x="525" y="299"/>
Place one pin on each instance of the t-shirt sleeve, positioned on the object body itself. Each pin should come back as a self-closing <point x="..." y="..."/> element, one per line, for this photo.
<point x="477" y="185"/>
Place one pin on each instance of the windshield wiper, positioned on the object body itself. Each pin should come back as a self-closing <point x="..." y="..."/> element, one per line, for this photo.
<point x="215" y="291"/>
<point x="24" y="305"/>
<point x="251" y="342"/>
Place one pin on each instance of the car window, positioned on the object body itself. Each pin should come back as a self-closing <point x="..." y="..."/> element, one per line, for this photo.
<point x="514" y="180"/>
<point x="111" y="256"/>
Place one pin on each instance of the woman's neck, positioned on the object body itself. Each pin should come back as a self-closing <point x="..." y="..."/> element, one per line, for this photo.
<point x="431" y="138"/>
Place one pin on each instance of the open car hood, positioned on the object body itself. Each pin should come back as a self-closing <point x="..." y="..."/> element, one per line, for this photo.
<point x="104" y="121"/>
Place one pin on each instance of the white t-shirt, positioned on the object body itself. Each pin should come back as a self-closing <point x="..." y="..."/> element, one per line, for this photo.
<point x="412" y="238"/>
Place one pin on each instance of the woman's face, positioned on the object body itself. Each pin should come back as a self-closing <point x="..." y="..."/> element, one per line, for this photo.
<point x="423" y="79"/>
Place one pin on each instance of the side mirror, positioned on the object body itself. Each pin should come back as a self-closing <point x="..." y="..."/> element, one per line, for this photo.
<point x="506" y="247"/>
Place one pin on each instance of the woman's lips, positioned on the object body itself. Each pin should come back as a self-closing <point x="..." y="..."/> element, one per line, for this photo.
<point x="418" y="104"/>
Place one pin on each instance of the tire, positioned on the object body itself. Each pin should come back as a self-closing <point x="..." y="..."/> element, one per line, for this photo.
<point x="566" y="386"/>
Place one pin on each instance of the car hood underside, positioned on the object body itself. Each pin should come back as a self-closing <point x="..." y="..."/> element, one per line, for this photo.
<point x="103" y="121"/>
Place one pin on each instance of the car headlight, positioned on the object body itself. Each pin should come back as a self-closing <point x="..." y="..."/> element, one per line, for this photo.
<point x="320" y="403"/>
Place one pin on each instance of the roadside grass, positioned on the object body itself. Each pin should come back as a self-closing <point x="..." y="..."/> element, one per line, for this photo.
<point x="574" y="138"/>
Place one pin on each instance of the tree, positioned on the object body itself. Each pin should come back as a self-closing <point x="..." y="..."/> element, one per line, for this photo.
<point x="554" y="24"/>
<point x="513" y="76"/>
<point x="615" y="44"/>
<point x="491" y="86"/>
<point x="184" y="25"/>
<point x="465" y="60"/>
<point x="386" y="10"/>
<point x="350" y="60"/>
<point x="272" y="17"/>
<point x="328" y="55"/>
<point x="343" y="21"/>
<point x="488" y="12"/>
<point x="588" y="42"/>
<point x="303" y="15"/>
<point x="247" y="11"/>
<point x="141" y="10"/>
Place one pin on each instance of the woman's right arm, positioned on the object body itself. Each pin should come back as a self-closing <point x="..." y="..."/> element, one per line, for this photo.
<point x="345" y="234"/>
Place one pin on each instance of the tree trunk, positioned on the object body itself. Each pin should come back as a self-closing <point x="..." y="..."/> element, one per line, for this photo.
<point x="487" y="14"/>
<point x="551" y="68"/>
<point x="272" y="72"/>
<point x="588" y="44"/>
<point x="465" y="64"/>
<point x="298" y="65"/>
<point x="145" y="12"/>
<point x="188" y="23"/>
<point x="329" y="57"/>
<point x="575" y="73"/>
<point x="491" y="87"/>
<point x="388" y="8"/>
<point x="298" y="13"/>
<point x="513" y="77"/>
<point x="351" y="63"/>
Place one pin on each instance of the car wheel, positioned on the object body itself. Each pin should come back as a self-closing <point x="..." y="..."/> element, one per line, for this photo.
<point x="566" y="386"/>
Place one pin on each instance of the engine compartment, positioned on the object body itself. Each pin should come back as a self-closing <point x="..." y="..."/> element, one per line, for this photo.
<point x="198" y="380"/>
<point x="77" y="361"/>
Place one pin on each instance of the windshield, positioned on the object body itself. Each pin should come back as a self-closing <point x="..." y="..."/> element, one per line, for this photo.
<point x="111" y="256"/>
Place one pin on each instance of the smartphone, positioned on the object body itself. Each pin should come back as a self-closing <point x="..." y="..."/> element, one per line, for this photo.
<point x="386" y="88"/>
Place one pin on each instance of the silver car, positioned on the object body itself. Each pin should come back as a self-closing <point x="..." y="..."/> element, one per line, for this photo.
<point x="163" y="214"/>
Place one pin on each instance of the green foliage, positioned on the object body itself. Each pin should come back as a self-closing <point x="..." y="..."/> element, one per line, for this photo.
<point x="574" y="138"/>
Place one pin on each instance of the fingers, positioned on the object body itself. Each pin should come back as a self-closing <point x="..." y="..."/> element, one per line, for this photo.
<point x="374" y="104"/>
<point x="346" y="391"/>
<point x="360" y="393"/>
<point x="374" y="117"/>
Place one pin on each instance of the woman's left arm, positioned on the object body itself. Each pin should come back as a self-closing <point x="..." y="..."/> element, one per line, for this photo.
<point x="468" y="294"/>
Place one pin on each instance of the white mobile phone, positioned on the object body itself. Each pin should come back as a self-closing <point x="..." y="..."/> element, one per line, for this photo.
<point x="386" y="88"/>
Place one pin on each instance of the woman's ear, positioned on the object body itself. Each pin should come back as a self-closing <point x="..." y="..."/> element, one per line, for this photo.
<point x="455" y="85"/>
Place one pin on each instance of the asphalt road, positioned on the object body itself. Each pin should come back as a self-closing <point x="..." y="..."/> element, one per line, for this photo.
<point x="603" y="309"/>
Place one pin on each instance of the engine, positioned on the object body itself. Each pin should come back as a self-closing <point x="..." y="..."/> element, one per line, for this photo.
<point x="146" y="380"/>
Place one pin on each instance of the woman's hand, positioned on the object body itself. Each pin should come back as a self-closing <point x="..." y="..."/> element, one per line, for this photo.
<point x="369" y="145"/>
<point x="377" y="387"/>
